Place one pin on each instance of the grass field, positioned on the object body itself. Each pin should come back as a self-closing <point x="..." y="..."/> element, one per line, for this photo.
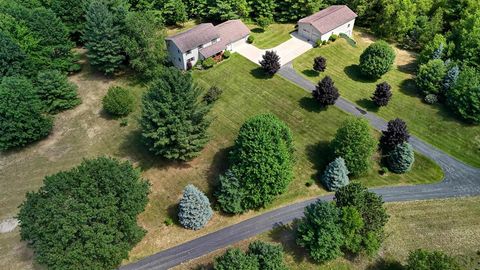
<point x="449" y="225"/>
<point x="274" y="35"/>
<point x="87" y="131"/>
<point x="434" y="124"/>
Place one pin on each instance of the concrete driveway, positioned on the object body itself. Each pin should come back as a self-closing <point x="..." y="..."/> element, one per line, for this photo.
<point x="287" y="51"/>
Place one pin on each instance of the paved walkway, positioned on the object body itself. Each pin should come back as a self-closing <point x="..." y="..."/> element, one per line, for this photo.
<point x="287" y="51"/>
<point x="460" y="180"/>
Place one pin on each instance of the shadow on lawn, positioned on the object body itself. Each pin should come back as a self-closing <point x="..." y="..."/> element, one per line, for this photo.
<point x="310" y="73"/>
<point x="257" y="30"/>
<point x="319" y="155"/>
<point x="259" y="73"/>
<point x="309" y="104"/>
<point x="409" y="88"/>
<point x="354" y="73"/>
<point x="367" y="104"/>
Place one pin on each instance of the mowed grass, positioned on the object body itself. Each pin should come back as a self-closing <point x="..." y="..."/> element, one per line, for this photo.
<point x="86" y="132"/>
<point x="274" y="35"/>
<point x="434" y="124"/>
<point x="451" y="226"/>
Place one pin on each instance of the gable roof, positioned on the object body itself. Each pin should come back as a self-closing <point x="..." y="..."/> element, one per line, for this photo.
<point x="330" y="18"/>
<point x="194" y="37"/>
<point x="229" y="32"/>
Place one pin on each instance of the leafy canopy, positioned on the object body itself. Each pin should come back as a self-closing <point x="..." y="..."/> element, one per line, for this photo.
<point x="377" y="59"/>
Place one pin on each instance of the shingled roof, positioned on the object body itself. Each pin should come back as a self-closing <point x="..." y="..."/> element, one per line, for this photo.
<point x="194" y="37"/>
<point x="229" y="32"/>
<point x="330" y="18"/>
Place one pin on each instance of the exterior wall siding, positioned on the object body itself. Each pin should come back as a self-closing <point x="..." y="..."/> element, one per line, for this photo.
<point x="346" y="29"/>
<point x="309" y="32"/>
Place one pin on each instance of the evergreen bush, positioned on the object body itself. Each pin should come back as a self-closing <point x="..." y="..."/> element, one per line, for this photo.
<point x="213" y="94"/>
<point x="335" y="175"/>
<point x="401" y="158"/>
<point x="119" y="101"/>
<point x="194" y="209"/>
<point x="430" y="99"/>
<point x="55" y="91"/>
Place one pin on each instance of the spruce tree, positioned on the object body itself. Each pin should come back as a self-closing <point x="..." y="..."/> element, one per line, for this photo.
<point x="401" y="158"/>
<point x="55" y="91"/>
<point x="335" y="175"/>
<point x="194" y="210"/>
<point x="174" y="123"/>
<point x="325" y="92"/>
<point x="270" y="62"/>
<point x="396" y="133"/>
<point x="382" y="94"/>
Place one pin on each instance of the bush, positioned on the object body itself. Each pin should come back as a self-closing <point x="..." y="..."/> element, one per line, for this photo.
<point x="324" y="42"/>
<point x="230" y="194"/>
<point x="212" y="95"/>
<point x="168" y="221"/>
<point x="333" y="37"/>
<point x="450" y="79"/>
<point x="208" y="63"/>
<point x="431" y="48"/>
<point x="377" y="59"/>
<point x="12" y="57"/>
<point x="430" y="260"/>
<point x="269" y="257"/>
<point x="430" y="99"/>
<point x="351" y="222"/>
<point x="335" y="175"/>
<point x="319" y="231"/>
<point x="318" y="43"/>
<point x="396" y="133"/>
<point x="264" y="22"/>
<point x="382" y="94"/>
<point x="430" y="77"/>
<point x="325" y="92"/>
<point x="250" y="39"/>
<point x="55" y="91"/>
<point x="235" y="259"/>
<point x="464" y="97"/>
<point x="100" y="201"/>
<point x="226" y="54"/>
<point x="320" y="64"/>
<point x="21" y="113"/>
<point x="355" y="143"/>
<point x="119" y="101"/>
<point x="270" y="62"/>
<point x="194" y="209"/>
<point x="401" y="158"/>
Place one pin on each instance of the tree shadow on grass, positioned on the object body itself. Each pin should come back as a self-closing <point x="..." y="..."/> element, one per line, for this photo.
<point x="311" y="105"/>
<point x="367" y="104"/>
<point x="319" y="154"/>
<point x="409" y="68"/>
<point x="385" y="264"/>
<point x="218" y="166"/>
<point x="284" y="234"/>
<point x="354" y="73"/>
<point x="310" y="73"/>
<point x="409" y="88"/>
<point x="259" y="73"/>
<point x="257" y="30"/>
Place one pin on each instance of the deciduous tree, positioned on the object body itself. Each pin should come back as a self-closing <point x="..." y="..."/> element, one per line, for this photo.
<point x="430" y="77"/>
<point x="320" y="64"/>
<point x="377" y="59"/>
<point x="464" y="97"/>
<point x="382" y="94"/>
<point x="270" y="62"/>
<point x="325" y="92"/>
<point x="396" y="133"/>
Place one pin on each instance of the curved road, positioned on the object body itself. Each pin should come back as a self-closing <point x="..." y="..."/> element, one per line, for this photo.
<point x="460" y="180"/>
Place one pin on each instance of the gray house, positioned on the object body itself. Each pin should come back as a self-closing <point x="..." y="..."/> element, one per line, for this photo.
<point x="338" y="19"/>
<point x="205" y="40"/>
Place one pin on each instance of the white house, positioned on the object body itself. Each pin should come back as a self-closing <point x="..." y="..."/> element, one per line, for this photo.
<point x="338" y="19"/>
<point x="205" y="40"/>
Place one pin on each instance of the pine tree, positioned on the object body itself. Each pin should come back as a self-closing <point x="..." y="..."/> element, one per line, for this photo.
<point x="401" y="158"/>
<point x="335" y="175"/>
<point x="396" y="133"/>
<point x="174" y="123"/>
<point x="194" y="210"/>
<point x="270" y="62"/>
<point x="382" y="94"/>
<point x="56" y="92"/>
<point x="325" y="92"/>
<point x="320" y="64"/>
<point x="102" y="36"/>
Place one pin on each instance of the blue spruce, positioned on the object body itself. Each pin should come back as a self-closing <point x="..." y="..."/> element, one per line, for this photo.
<point x="335" y="175"/>
<point x="450" y="78"/>
<point x="401" y="158"/>
<point x="438" y="53"/>
<point x="194" y="211"/>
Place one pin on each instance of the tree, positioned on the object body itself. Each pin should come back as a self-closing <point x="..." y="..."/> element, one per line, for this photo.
<point x="270" y="62"/>
<point x="335" y="175"/>
<point x="450" y="78"/>
<point x="430" y="77"/>
<point x="430" y="260"/>
<point x="103" y="39"/>
<point x="431" y="47"/>
<point x="325" y="92"/>
<point x="261" y="161"/>
<point x="228" y="9"/>
<point x="21" y="112"/>
<point x="397" y="18"/>
<point x="12" y="58"/>
<point x="55" y="91"/>
<point x="319" y="231"/>
<point x="230" y="194"/>
<point x="469" y="39"/>
<point x="172" y="11"/>
<point x="264" y="9"/>
<point x="72" y="14"/>
<point x="293" y="10"/>
<point x="119" y="101"/>
<point x="382" y="94"/>
<point x="352" y="224"/>
<point x="464" y="97"/>
<point x="377" y="59"/>
<point x="355" y="143"/>
<point x="264" y="22"/>
<point x="320" y="64"/>
<point x="269" y="257"/>
<point x="85" y="216"/>
<point x="401" y="158"/>
<point x="194" y="209"/>
<point x="174" y="120"/>
<point x="235" y="259"/>
<point x="396" y="133"/>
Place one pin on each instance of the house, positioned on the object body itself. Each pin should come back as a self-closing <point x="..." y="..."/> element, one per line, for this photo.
<point x="205" y="40"/>
<point x="338" y="19"/>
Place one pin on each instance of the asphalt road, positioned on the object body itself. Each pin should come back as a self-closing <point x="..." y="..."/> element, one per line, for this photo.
<point x="460" y="180"/>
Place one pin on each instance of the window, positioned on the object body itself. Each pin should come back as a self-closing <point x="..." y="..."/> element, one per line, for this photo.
<point x="179" y="59"/>
<point x="191" y="59"/>
<point x="178" y="51"/>
<point x="348" y="25"/>
<point x="189" y="52"/>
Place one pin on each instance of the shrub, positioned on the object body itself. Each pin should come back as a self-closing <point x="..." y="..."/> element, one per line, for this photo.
<point x="430" y="99"/>
<point x="351" y="222"/>
<point x="269" y="257"/>
<point x="264" y="21"/>
<point x="355" y="143"/>
<point x="430" y="49"/>
<point x="333" y="37"/>
<point x="208" y="63"/>
<point x="324" y="42"/>
<point x="21" y="113"/>
<point x="377" y="59"/>
<point x="450" y="78"/>
<point x="382" y="94"/>
<point x="430" y="77"/>
<point x="235" y="259"/>
<point x="400" y="159"/>
<point x="319" y="231"/>
<point x="320" y="64"/>
<point x="325" y="92"/>
<point x="119" y="101"/>
<point x="100" y="201"/>
<point x="12" y="58"/>
<point x="464" y="97"/>
<point x="230" y="194"/>
<point x="396" y="133"/>
<point x="227" y="54"/>
<point x="212" y="95"/>
<point x="318" y="43"/>
<point x="168" y="221"/>
<point x="174" y="120"/>
<point x="335" y="175"/>
<point x="270" y="62"/>
<point x="55" y="91"/>
<point x="430" y="260"/>
<point x="194" y="209"/>
<point x="250" y="39"/>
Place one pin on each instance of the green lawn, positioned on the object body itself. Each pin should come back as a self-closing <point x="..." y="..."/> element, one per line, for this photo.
<point x="274" y="35"/>
<point x="434" y="124"/>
